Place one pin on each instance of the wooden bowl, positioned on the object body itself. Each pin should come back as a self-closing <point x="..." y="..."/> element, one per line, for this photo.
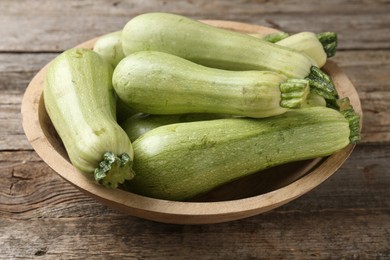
<point x="249" y="196"/>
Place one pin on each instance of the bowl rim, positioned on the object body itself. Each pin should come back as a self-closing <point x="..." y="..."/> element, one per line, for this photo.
<point x="174" y="211"/>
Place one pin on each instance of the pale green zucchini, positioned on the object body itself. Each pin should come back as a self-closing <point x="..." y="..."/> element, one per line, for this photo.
<point x="180" y="161"/>
<point x="109" y="47"/>
<point x="308" y="43"/>
<point x="160" y="83"/>
<point x="140" y="123"/>
<point x="80" y="102"/>
<point x="219" y="48"/>
<point x="318" y="47"/>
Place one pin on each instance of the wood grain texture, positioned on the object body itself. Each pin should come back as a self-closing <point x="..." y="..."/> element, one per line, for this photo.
<point x="347" y="217"/>
<point x="333" y="221"/>
<point x="48" y="26"/>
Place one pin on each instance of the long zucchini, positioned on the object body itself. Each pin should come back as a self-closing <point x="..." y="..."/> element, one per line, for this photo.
<point x="180" y="161"/>
<point x="161" y="83"/>
<point x="219" y="48"/>
<point x="80" y="102"/>
<point x="138" y="124"/>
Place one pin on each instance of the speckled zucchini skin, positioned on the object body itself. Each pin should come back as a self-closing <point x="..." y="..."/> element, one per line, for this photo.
<point x="80" y="102"/>
<point x="210" y="46"/>
<point x="160" y="83"/>
<point x="180" y="161"/>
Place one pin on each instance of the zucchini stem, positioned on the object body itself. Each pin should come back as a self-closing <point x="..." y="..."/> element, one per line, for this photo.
<point x="349" y="113"/>
<point x="321" y="84"/>
<point x="114" y="170"/>
<point x="329" y="42"/>
<point x="294" y="93"/>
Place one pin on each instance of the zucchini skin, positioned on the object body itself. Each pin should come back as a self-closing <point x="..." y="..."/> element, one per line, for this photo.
<point x="180" y="161"/>
<point x="109" y="47"/>
<point x="140" y="123"/>
<point x="210" y="46"/>
<point x="307" y="43"/>
<point x="160" y="83"/>
<point x="137" y="125"/>
<point x="80" y="101"/>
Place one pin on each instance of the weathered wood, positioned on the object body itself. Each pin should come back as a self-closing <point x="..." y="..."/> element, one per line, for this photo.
<point x="347" y="216"/>
<point x="278" y="235"/>
<point x="49" y="26"/>
<point x="31" y="189"/>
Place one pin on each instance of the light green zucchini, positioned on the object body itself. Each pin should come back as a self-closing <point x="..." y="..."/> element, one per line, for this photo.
<point x="160" y="83"/>
<point x="180" y="161"/>
<point x="219" y="48"/>
<point x="140" y="123"/>
<point x="109" y="47"/>
<point x="318" y="47"/>
<point x="80" y="102"/>
<point x="308" y="43"/>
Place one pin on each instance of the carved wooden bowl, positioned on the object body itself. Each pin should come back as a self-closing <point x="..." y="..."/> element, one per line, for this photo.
<point x="246" y="197"/>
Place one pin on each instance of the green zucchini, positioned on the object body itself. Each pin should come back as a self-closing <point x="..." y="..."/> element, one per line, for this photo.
<point x="180" y="161"/>
<point x="318" y="47"/>
<point x="219" y="48"/>
<point x="109" y="47"/>
<point x="80" y="102"/>
<point x="140" y="123"/>
<point x="160" y="83"/>
<point x="308" y="43"/>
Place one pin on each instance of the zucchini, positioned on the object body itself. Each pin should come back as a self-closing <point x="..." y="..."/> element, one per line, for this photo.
<point x="140" y="123"/>
<point x="80" y="102"/>
<point x="109" y="47"/>
<point x="180" y="161"/>
<point x="318" y="47"/>
<point x="161" y="83"/>
<point x="219" y="48"/>
<point x="307" y="43"/>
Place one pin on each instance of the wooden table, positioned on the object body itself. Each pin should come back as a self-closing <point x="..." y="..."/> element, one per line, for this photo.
<point x="42" y="216"/>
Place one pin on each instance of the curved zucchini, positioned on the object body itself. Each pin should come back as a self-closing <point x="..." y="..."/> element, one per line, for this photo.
<point x="180" y="161"/>
<point x="217" y="48"/>
<point x="161" y="83"/>
<point x="80" y="102"/>
<point x="109" y="47"/>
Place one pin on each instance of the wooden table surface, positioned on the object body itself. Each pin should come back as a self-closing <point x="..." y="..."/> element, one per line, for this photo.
<point x="44" y="217"/>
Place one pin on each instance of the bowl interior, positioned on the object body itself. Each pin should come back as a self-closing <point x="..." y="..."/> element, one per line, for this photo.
<point x="241" y="198"/>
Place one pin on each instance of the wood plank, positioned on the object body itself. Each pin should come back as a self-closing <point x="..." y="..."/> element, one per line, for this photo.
<point x="348" y="216"/>
<point x="48" y="26"/>
<point x="271" y="236"/>
<point x="30" y="188"/>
